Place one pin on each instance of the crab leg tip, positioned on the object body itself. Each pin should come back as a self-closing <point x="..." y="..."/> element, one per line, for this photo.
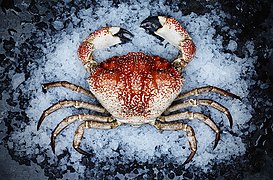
<point x="52" y="143"/>
<point x="233" y="96"/>
<point x="189" y="158"/>
<point x="237" y="97"/>
<point x="40" y="121"/>
<point x="216" y="140"/>
<point x="38" y="126"/>
<point x="44" y="88"/>
<point x="82" y="151"/>
<point x="230" y="120"/>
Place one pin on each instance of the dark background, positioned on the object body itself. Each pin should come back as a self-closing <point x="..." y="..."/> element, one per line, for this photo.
<point x="253" y="18"/>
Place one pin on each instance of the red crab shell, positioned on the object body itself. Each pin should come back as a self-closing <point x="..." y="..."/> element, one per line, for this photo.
<point x="135" y="88"/>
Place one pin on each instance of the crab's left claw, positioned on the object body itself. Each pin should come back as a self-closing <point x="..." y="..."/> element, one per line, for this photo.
<point x="169" y="29"/>
<point x="122" y="33"/>
<point x="102" y="38"/>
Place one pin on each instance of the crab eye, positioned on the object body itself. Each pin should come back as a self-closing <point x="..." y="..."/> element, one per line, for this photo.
<point x="160" y="70"/>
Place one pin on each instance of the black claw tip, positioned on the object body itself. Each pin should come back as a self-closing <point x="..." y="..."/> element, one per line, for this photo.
<point x="151" y="24"/>
<point x="124" y="40"/>
<point x="122" y="33"/>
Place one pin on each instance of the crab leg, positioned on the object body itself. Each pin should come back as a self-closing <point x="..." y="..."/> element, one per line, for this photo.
<point x="102" y="38"/>
<point x="69" y="103"/>
<point x="206" y="89"/>
<point x="174" y="33"/>
<point x="90" y="124"/>
<point x="194" y="115"/>
<point x="203" y="102"/>
<point x="68" y="85"/>
<point x="180" y="126"/>
<point x="70" y="119"/>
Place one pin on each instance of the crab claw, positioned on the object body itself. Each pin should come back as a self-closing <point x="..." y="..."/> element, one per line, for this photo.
<point x="169" y="29"/>
<point x="122" y="35"/>
<point x="102" y="38"/>
<point x="151" y="24"/>
<point x="107" y="36"/>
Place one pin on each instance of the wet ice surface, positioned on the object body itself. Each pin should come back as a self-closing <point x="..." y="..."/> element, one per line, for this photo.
<point x="114" y="149"/>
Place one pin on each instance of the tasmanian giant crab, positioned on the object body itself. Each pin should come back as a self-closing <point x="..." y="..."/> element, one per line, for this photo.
<point x="136" y="88"/>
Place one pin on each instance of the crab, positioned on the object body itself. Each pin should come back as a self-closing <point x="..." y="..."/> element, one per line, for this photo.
<point x="137" y="88"/>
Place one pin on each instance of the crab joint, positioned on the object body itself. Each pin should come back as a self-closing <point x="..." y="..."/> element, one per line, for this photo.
<point x="90" y="65"/>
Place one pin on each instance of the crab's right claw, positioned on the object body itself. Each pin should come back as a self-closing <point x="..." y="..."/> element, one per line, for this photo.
<point x="169" y="29"/>
<point x="151" y="24"/>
